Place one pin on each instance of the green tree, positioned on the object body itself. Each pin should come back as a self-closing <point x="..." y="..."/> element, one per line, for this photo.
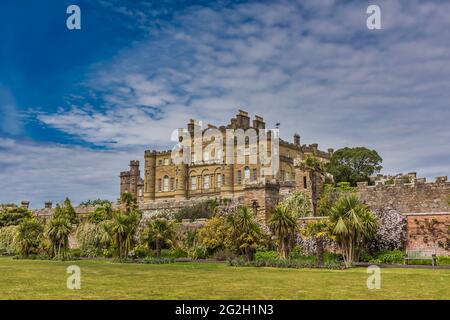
<point x="331" y="193"/>
<point x="159" y="231"/>
<point x="319" y="231"/>
<point x="58" y="231"/>
<point x="298" y="203"/>
<point x="354" y="164"/>
<point x="246" y="232"/>
<point x="69" y="211"/>
<point x="315" y="168"/>
<point x="13" y="215"/>
<point x="29" y="235"/>
<point x="129" y="202"/>
<point x="215" y="235"/>
<point x="352" y="224"/>
<point x="121" y="229"/>
<point x="284" y="226"/>
<point x="101" y="213"/>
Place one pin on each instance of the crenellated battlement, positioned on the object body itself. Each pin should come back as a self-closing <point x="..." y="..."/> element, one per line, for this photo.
<point x="418" y="195"/>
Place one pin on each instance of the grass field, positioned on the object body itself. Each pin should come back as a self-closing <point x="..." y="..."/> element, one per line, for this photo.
<point x="33" y="279"/>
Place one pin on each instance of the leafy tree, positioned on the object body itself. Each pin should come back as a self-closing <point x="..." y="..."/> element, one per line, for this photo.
<point x="13" y="215"/>
<point x="353" y="224"/>
<point x="298" y="203"/>
<point x="121" y="229"/>
<point x="215" y="235"/>
<point x="354" y="164"/>
<point x="58" y="231"/>
<point x="94" y="203"/>
<point x="316" y="168"/>
<point x="284" y="226"/>
<point x="129" y="201"/>
<point x="330" y="195"/>
<point x="69" y="211"/>
<point x="29" y="235"/>
<point x="159" y="231"/>
<point x="101" y="213"/>
<point x="246" y="231"/>
<point x="320" y="232"/>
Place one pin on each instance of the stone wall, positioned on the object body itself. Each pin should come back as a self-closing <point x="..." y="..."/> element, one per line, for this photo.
<point x="429" y="231"/>
<point x="262" y="197"/>
<point x="416" y="197"/>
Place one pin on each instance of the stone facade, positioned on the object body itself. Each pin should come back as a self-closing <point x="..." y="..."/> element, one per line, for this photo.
<point x="206" y="177"/>
<point x="416" y="197"/>
<point x="131" y="181"/>
<point x="262" y="197"/>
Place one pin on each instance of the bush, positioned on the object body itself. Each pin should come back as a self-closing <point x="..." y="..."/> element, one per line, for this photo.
<point x="224" y="255"/>
<point x="266" y="255"/>
<point x="202" y="210"/>
<point x="7" y="240"/>
<point x="443" y="260"/>
<point x="150" y="260"/>
<point x="284" y="263"/>
<point x="389" y="257"/>
<point x="75" y="253"/>
<point x="139" y="251"/>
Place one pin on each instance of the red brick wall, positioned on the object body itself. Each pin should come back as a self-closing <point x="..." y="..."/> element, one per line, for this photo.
<point x="429" y="231"/>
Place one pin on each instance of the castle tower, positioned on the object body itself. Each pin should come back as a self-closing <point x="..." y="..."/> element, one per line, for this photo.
<point x="150" y="175"/>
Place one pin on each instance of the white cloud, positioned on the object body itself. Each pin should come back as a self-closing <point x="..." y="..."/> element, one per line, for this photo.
<point x="313" y="66"/>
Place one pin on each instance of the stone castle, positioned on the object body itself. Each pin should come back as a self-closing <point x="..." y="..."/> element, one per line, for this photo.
<point x="205" y="177"/>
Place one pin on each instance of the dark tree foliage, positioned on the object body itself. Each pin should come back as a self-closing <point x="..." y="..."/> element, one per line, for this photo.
<point x="13" y="215"/>
<point x="354" y="164"/>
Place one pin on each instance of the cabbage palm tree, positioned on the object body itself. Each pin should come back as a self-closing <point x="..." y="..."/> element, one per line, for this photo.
<point x="247" y="231"/>
<point x="121" y="229"/>
<point x="284" y="226"/>
<point x="58" y="231"/>
<point x="159" y="231"/>
<point x="352" y="224"/>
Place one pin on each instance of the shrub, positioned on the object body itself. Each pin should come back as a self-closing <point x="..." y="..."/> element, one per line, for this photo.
<point x="202" y="210"/>
<point x="389" y="257"/>
<point x="150" y="260"/>
<point x="266" y="255"/>
<point x="224" y="255"/>
<point x="390" y="233"/>
<point x="285" y="263"/>
<point x="215" y="235"/>
<point x="441" y="260"/>
<point x="7" y="240"/>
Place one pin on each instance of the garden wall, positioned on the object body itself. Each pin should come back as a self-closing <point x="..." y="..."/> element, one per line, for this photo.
<point x="430" y="231"/>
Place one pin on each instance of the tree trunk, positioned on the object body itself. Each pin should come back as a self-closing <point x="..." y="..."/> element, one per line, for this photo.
<point x="158" y="248"/>
<point x="314" y="191"/>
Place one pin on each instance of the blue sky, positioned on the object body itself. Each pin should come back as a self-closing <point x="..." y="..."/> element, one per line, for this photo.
<point x="75" y="106"/>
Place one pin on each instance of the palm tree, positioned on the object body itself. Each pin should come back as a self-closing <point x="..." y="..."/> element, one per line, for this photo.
<point x="315" y="168"/>
<point x="247" y="233"/>
<point x="284" y="226"/>
<point x="29" y="235"/>
<point x="121" y="229"/>
<point x="159" y="231"/>
<point x="129" y="201"/>
<point x="352" y="224"/>
<point x="58" y="231"/>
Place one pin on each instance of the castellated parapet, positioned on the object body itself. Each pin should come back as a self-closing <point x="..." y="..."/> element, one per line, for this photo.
<point x="419" y="196"/>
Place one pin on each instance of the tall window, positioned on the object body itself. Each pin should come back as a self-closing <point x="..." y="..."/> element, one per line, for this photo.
<point x="172" y="184"/>
<point x="166" y="183"/>
<point x="219" y="180"/>
<point x="255" y="174"/>
<point x="166" y="161"/>
<point x="159" y="184"/>
<point x="205" y="182"/>
<point x="239" y="177"/>
<point x="194" y="183"/>
<point x="247" y="173"/>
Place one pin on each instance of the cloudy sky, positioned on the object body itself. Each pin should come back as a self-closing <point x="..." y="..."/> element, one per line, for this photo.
<point x="76" y="106"/>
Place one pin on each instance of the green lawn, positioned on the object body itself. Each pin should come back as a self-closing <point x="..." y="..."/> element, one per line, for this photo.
<point x="31" y="279"/>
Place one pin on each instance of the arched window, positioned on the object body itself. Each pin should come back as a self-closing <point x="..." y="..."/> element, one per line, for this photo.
<point x="193" y="183"/>
<point x="206" y="182"/>
<point x="247" y="173"/>
<point x="166" y="183"/>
